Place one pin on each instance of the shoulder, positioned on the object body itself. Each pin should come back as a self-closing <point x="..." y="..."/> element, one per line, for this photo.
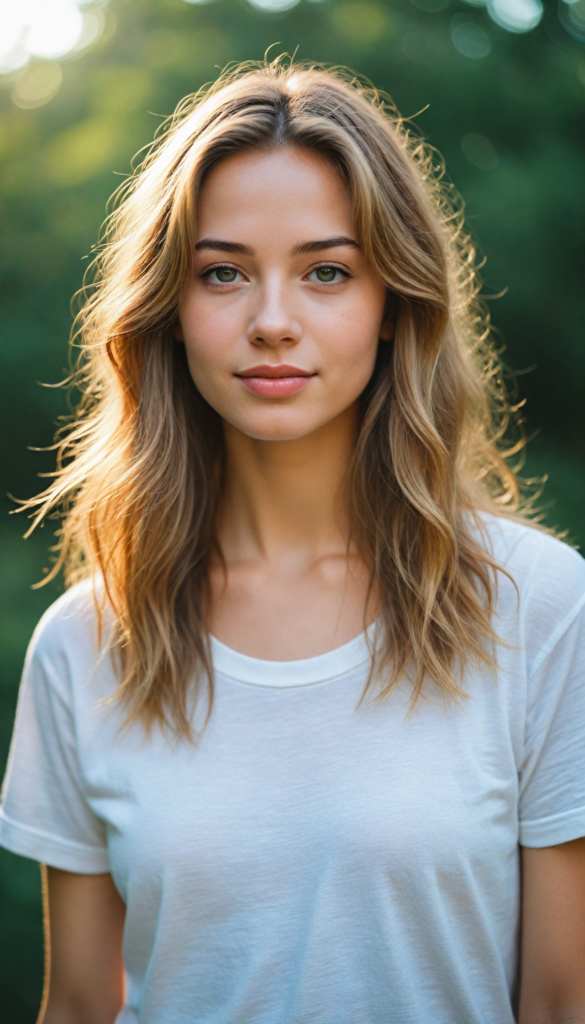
<point x="68" y="655"/>
<point x="533" y="557"/>
<point x="543" y="582"/>
<point x="68" y="627"/>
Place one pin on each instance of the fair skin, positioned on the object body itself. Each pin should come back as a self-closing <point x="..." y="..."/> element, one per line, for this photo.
<point x="292" y="588"/>
<point x="281" y="525"/>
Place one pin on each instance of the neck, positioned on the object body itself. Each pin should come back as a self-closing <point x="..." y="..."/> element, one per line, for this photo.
<point x="281" y="496"/>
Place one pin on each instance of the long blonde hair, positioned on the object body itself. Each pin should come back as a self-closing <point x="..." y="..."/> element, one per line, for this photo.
<point x="140" y="469"/>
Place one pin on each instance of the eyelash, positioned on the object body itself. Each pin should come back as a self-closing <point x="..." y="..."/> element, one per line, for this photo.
<point x="228" y="266"/>
<point x="331" y="266"/>
<point x="219" y="266"/>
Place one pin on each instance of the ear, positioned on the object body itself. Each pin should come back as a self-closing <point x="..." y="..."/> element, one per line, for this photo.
<point x="178" y="331"/>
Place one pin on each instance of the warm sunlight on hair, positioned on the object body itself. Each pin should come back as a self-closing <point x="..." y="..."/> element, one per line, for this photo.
<point x="140" y="470"/>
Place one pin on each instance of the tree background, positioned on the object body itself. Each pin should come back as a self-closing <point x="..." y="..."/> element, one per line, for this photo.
<point x="505" y="108"/>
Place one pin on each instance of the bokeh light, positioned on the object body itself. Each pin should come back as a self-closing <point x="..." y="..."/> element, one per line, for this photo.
<point x="469" y="38"/>
<point x="572" y="17"/>
<point x="44" y="29"/>
<point x="513" y="15"/>
<point x="516" y="15"/>
<point x="53" y="27"/>
<point x="39" y="83"/>
<point x="274" y="5"/>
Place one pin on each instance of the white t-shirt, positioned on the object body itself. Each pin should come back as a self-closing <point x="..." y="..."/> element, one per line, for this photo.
<point x="310" y="860"/>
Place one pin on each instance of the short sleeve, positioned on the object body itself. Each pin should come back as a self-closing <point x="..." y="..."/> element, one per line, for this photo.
<point x="44" y="814"/>
<point x="552" y="774"/>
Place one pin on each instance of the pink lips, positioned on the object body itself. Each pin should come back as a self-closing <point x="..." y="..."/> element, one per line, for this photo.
<point x="275" y="381"/>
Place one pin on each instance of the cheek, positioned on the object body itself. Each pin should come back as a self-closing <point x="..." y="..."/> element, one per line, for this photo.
<point x="353" y="344"/>
<point x="207" y="368"/>
<point x="206" y="356"/>
<point x="208" y="334"/>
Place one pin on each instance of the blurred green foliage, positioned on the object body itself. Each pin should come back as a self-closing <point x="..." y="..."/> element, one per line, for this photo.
<point x="505" y="109"/>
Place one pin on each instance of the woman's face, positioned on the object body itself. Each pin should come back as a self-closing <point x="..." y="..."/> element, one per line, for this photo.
<point x="282" y="319"/>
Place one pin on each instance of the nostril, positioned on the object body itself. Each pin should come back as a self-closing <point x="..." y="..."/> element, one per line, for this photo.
<point x="273" y="338"/>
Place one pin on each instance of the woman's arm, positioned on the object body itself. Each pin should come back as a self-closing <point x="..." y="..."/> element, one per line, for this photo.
<point x="84" y="922"/>
<point x="552" y="989"/>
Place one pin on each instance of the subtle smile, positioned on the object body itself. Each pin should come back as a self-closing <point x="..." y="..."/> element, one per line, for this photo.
<point x="275" y="381"/>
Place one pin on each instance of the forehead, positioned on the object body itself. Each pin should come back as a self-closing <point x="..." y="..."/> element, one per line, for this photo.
<point x="281" y="191"/>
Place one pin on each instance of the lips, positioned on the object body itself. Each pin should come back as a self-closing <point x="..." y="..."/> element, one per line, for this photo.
<point x="274" y="371"/>
<point x="275" y="381"/>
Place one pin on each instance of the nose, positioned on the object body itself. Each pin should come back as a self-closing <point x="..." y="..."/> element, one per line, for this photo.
<point x="273" y="321"/>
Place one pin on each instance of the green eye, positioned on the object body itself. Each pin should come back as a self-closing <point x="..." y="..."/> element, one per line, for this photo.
<point x="326" y="274"/>
<point x="225" y="275"/>
<point x="222" y="275"/>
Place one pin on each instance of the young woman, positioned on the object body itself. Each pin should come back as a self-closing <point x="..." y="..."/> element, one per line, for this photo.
<point x="312" y="716"/>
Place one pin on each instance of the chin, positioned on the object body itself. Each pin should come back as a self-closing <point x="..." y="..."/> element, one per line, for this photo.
<point x="277" y="427"/>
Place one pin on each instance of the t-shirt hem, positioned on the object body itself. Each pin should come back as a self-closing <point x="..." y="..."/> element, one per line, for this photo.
<point x="561" y="828"/>
<point x="55" y="851"/>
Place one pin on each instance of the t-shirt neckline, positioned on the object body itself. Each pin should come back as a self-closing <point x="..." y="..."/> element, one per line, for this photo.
<point x="302" y="672"/>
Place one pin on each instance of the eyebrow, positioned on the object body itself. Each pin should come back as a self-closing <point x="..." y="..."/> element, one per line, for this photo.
<point x="324" y="243"/>
<point x="301" y="249"/>
<point x="223" y="246"/>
